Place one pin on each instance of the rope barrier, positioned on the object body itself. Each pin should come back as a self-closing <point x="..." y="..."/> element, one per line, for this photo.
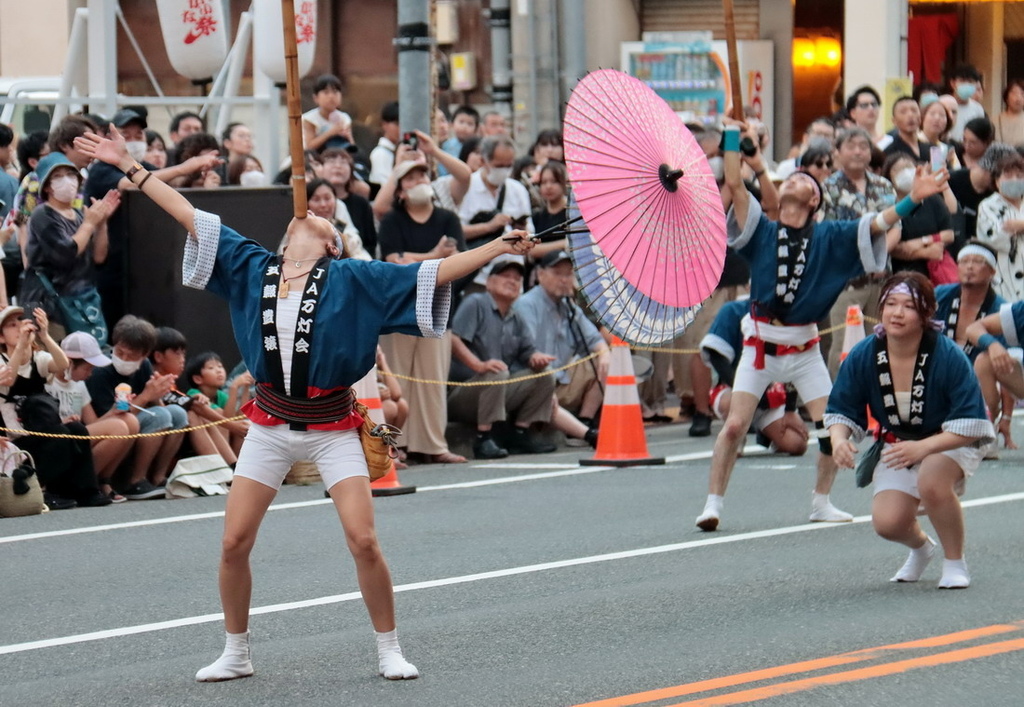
<point x="399" y="376"/>
<point x="138" y="435"/>
<point x="510" y="381"/>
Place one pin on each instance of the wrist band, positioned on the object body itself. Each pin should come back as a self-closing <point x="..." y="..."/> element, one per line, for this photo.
<point x="760" y="173"/>
<point x="145" y="179"/>
<point x="731" y="139"/>
<point x="985" y="340"/>
<point x="905" y="207"/>
<point x="927" y="239"/>
<point x="132" y="171"/>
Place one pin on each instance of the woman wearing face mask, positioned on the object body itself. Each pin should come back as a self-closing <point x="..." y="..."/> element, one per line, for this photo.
<point x="416" y="230"/>
<point x="936" y="123"/>
<point x="1001" y="225"/>
<point x="925" y="232"/>
<point x="1010" y="123"/>
<point x="246" y="171"/>
<point x="65" y="244"/>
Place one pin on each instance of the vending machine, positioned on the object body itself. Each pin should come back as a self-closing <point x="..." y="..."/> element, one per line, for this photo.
<point x="690" y="71"/>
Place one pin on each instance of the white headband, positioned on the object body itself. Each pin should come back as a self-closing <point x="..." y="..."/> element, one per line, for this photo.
<point x="978" y="250"/>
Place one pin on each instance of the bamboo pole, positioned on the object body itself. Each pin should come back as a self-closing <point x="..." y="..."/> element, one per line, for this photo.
<point x="734" y="61"/>
<point x="291" y="63"/>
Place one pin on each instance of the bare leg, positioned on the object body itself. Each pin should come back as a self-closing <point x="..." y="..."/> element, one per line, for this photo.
<point x="169" y="446"/>
<point x="987" y="380"/>
<point x="248" y="501"/>
<point x="700" y="375"/>
<point x="727" y="448"/>
<point x="592" y="400"/>
<point x="354" y="504"/>
<point x="107" y="454"/>
<point x="146" y="450"/>
<point x="565" y="422"/>
<point x="826" y="474"/>
<point x="894" y="516"/>
<point x="787" y="438"/>
<point x="935" y="483"/>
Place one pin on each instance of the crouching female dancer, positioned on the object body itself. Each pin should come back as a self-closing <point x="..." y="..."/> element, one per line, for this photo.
<point x="922" y="389"/>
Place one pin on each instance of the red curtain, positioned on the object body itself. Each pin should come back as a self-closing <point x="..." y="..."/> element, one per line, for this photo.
<point x="928" y="38"/>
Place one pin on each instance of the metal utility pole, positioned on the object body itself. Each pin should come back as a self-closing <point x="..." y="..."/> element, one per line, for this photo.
<point x="414" y="80"/>
<point x="501" y="56"/>
<point x="574" y="44"/>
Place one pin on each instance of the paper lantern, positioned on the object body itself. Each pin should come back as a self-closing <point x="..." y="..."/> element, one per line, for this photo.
<point x="269" y="37"/>
<point x="195" y="34"/>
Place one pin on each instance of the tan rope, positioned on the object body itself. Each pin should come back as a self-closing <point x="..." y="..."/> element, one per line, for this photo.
<point x="139" y="435"/>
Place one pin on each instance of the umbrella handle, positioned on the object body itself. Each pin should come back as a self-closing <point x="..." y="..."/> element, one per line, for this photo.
<point x="669" y="177"/>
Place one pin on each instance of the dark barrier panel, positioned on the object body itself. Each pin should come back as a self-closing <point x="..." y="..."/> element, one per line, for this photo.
<point x="155" y="244"/>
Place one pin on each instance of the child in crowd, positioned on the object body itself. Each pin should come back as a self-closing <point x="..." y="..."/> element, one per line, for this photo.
<point x="64" y="465"/>
<point x="168" y="358"/>
<point x="325" y="125"/>
<point x="133" y="339"/>
<point x="68" y="387"/>
<point x="207" y="374"/>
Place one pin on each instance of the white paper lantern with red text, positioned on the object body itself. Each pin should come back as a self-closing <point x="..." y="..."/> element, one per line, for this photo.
<point x="195" y="35"/>
<point x="268" y="33"/>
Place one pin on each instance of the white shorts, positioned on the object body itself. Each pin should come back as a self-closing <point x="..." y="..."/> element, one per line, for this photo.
<point x="888" y="479"/>
<point x="268" y="454"/>
<point x="763" y="418"/>
<point x="806" y="371"/>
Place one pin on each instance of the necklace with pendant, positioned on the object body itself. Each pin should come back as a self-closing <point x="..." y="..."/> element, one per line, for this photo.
<point x="284" y="288"/>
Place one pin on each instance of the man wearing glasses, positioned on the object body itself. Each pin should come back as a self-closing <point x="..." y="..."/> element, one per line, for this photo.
<point x="863" y="106"/>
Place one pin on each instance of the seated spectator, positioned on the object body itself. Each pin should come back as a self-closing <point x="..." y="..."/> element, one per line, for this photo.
<point x="133" y="339"/>
<point x="68" y="387"/>
<point x="65" y="244"/>
<point x="64" y="466"/>
<point x="776" y="422"/>
<point x="559" y="327"/>
<point x="156" y="150"/>
<point x="339" y="170"/>
<point x="205" y="176"/>
<point x="323" y="202"/>
<point x="492" y="343"/>
<point x="465" y="125"/>
<point x="168" y="358"/>
<point x="246" y="171"/>
<point x="326" y="126"/>
<point x="207" y="377"/>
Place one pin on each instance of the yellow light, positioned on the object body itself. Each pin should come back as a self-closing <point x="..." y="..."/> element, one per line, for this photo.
<point x="828" y="52"/>
<point x="803" y="53"/>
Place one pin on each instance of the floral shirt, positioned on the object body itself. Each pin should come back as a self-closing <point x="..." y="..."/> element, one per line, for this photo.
<point x="841" y="200"/>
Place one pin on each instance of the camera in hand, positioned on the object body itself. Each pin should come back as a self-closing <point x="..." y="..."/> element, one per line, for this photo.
<point x="411" y="140"/>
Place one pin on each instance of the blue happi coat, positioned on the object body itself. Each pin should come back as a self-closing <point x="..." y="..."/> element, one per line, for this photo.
<point x="944" y="298"/>
<point x="360" y="301"/>
<point x="952" y="396"/>
<point x="838" y="251"/>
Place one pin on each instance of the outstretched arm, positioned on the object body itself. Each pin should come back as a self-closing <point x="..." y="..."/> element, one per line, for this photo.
<point x="113" y="152"/>
<point x="461" y="264"/>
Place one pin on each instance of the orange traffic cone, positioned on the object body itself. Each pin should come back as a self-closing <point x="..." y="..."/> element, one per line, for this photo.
<point x="620" y="437"/>
<point x="853" y="336"/>
<point x="368" y="394"/>
<point x="854" y="330"/>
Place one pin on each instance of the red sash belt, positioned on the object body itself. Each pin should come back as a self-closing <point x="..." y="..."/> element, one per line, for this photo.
<point x="762" y="347"/>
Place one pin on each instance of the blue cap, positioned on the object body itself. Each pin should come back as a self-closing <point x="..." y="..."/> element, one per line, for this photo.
<point x="45" y="167"/>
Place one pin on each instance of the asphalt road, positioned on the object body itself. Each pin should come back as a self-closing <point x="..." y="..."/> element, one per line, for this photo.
<point x="531" y="585"/>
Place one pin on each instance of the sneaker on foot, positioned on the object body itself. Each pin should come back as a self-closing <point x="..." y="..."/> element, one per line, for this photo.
<point x="525" y="442"/>
<point x="708" y="521"/>
<point x="829" y="514"/>
<point x="701" y="425"/>
<point x="142" y="491"/>
<point x="58" y="503"/>
<point x="916" y="563"/>
<point x="95" y="500"/>
<point x="487" y="448"/>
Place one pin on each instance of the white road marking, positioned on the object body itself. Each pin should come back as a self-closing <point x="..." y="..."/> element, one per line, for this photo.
<point x="465" y="579"/>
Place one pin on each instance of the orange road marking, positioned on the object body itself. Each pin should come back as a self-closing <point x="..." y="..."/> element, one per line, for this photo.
<point x="804" y="666"/>
<point x="876" y="671"/>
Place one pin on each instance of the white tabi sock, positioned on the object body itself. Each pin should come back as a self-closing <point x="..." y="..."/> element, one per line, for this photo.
<point x="392" y="664"/>
<point x="955" y="575"/>
<point x="916" y="563"/>
<point x="233" y="663"/>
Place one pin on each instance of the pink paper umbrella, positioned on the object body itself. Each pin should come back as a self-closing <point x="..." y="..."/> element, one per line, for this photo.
<point x="644" y="188"/>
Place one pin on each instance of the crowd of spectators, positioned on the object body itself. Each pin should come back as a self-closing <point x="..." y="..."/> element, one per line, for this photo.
<point x="515" y="324"/>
